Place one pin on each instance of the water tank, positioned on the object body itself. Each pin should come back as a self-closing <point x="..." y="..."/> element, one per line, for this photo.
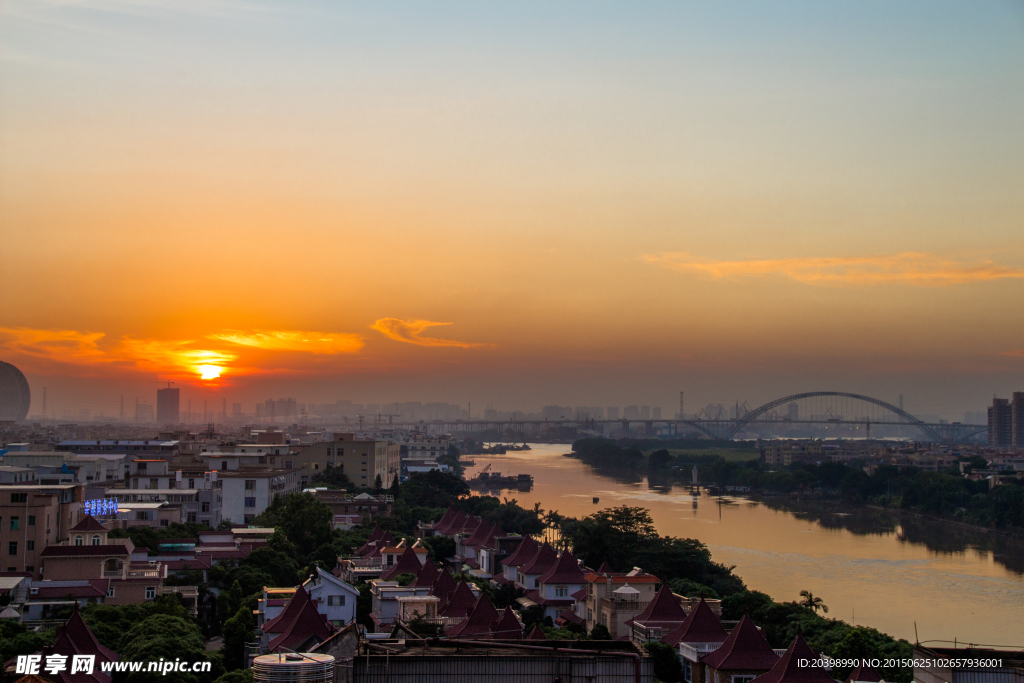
<point x="14" y="394"/>
<point x="304" y="667"/>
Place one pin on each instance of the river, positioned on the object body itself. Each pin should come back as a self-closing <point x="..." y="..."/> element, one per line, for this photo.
<point x="871" y="568"/>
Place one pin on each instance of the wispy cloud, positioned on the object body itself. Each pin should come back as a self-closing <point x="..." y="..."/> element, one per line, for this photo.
<point x="409" y="331"/>
<point x="163" y="357"/>
<point x="1016" y="353"/>
<point x="909" y="268"/>
<point x="65" y="346"/>
<point x="294" y="340"/>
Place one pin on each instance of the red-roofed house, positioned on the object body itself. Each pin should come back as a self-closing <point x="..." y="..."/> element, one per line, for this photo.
<point x="508" y="626"/>
<point x="461" y="602"/>
<point x="745" y="653"/>
<point x="528" y="575"/>
<point x="556" y="586"/>
<point x="523" y="553"/>
<point x="864" y="674"/>
<point x="702" y="632"/>
<point x="614" y="599"/>
<point x="444" y="586"/>
<point x="75" y="638"/>
<point x="409" y="562"/>
<point x="794" y="667"/>
<point x="300" y="628"/>
<point x="663" y="615"/>
<point x="481" y="620"/>
<point x="428" y="529"/>
<point x="427" y="575"/>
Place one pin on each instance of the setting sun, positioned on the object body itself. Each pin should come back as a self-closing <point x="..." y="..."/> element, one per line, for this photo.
<point x="209" y="371"/>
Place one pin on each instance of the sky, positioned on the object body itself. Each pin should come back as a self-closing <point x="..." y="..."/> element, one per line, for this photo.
<point x="513" y="204"/>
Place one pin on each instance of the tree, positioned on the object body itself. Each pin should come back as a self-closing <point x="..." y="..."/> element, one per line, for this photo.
<point x="378" y="486"/>
<point x="815" y="603"/>
<point x="600" y="632"/>
<point x="238" y="630"/>
<point x="304" y="520"/>
<point x="665" y="659"/>
<point x="238" y="676"/>
<point x="165" y="637"/>
<point x="15" y="639"/>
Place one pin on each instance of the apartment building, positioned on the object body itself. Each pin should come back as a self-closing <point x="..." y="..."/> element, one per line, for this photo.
<point x="247" y="493"/>
<point x="362" y="460"/>
<point x="33" y="517"/>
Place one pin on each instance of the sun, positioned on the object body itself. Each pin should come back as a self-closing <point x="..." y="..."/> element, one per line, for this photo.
<point x="210" y="371"/>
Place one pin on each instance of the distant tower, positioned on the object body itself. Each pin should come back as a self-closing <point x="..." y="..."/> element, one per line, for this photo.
<point x="168" y="406"/>
<point x="44" y="403"/>
<point x="682" y="415"/>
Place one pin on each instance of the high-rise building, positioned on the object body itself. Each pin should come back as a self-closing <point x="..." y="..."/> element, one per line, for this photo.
<point x="236" y="410"/>
<point x="656" y="413"/>
<point x="168" y="406"/>
<point x="1017" y="419"/>
<point x="613" y="412"/>
<point x="1000" y="423"/>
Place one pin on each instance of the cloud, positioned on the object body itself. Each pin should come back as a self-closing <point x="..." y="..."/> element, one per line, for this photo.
<point x="909" y="268"/>
<point x="409" y="331"/>
<point x="294" y="340"/>
<point x="1016" y="353"/>
<point x="66" y="346"/>
<point x="171" y="356"/>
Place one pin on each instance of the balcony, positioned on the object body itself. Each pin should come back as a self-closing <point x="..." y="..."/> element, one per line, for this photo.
<point x="694" y="651"/>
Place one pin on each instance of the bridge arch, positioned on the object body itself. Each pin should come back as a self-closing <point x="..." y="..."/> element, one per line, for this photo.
<point x="753" y="415"/>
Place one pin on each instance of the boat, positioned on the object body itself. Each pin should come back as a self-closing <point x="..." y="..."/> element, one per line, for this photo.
<point x="596" y="499"/>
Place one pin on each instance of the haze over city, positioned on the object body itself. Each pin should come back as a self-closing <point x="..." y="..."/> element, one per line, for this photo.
<point x="512" y="206"/>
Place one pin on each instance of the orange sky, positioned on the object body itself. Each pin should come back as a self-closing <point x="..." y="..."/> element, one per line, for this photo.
<point x="514" y="206"/>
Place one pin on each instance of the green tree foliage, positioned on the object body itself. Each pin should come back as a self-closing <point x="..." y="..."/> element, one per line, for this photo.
<point x="238" y="630"/>
<point x="162" y="636"/>
<point x="692" y="589"/>
<point x="600" y="632"/>
<point x="238" y="676"/>
<point x="808" y="599"/>
<point x="304" y="520"/>
<point x="440" y="547"/>
<point x="667" y="667"/>
<point x="110" y="624"/>
<point x="150" y="537"/>
<point x="405" y="579"/>
<point x="332" y="478"/>
<point x="15" y="639"/>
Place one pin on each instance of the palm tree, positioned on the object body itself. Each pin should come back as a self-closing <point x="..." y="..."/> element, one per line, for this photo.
<point x="809" y="600"/>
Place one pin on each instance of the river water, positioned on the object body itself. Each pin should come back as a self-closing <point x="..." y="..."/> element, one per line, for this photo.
<point x="871" y="568"/>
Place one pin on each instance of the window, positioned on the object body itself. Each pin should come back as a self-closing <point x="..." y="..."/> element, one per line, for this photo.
<point x="12" y="548"/>
<point x="110" y="591"/>
<point x="742" y="679"/>
<point x="590" y="615"/>
<point x="223" y="464"/>
<point x="248" y="518"/>
<point x="335" y="600"/>
<point x="30" y="545"/>
<point x="316" y="466"/>
<point x="561" y="591"/>
<point x="78" y="540"/>
<point x="150" y="592"/>
<point x="205" y="507"/>
<point x="163" y="522"/>
<point x="250" y="502"/>
<point x="14" y="523"/>
<point x="30" y="568"/>
<point x="31" y="520"/>
<point x="287" y="464"/>
<point x="191" y="518"/>
<point x="140" y="467"/>
<point x="250" y="484"/>
<point x="604" y="619"/>
<point x="95" y="539"/>
<point x="687" y="671"/>
<point x="273" y="460"/>
<point x="153" y="484"/>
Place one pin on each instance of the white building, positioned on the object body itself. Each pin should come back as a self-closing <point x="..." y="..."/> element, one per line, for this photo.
<point x="334" y="598"/>
<point x="246" y="494"/>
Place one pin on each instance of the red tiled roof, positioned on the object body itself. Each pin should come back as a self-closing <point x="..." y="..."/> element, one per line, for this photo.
<point x="701" y="626"/>
<point x="544" y="560"/>
<point x="496" y="532"/>
<point x="605" y="568"/>
<point x="461" y="601"/>
<point x="508" y="626"/>
<point x="376" y="534"/>
<point x="89" y="523"/>
<point x="75" y="638"/>
<point x="407" y="563"/>
<point x="622" y="578"/>
<point x="443" y="588"/>
<point x="446" y="518"/>
<point x="480" y="620"/>
<point x="866" y="674"/>
<point x="468" y="526"/>
<point x="96" y="588"/>
<point x="480" y="535"/>
<point x="307" y="627"/>
<point x="536" y="634"/>
<point x="788" y="669"/>
<point x="279" y="623"/>
<point x="566" y="570"/>
<point x="745" y="648"/>
<point x="535" y="596"/>
<point x="427" y="575"/>
<point x="523" y="553"/>
<point x="570" y="616"/>
<point x="453" y="524"/>
<point x="581" y="594"/>
<point x="664" y="610"/>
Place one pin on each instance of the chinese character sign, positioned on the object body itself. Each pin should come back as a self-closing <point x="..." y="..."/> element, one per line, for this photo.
<point x="101" y="506"/>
